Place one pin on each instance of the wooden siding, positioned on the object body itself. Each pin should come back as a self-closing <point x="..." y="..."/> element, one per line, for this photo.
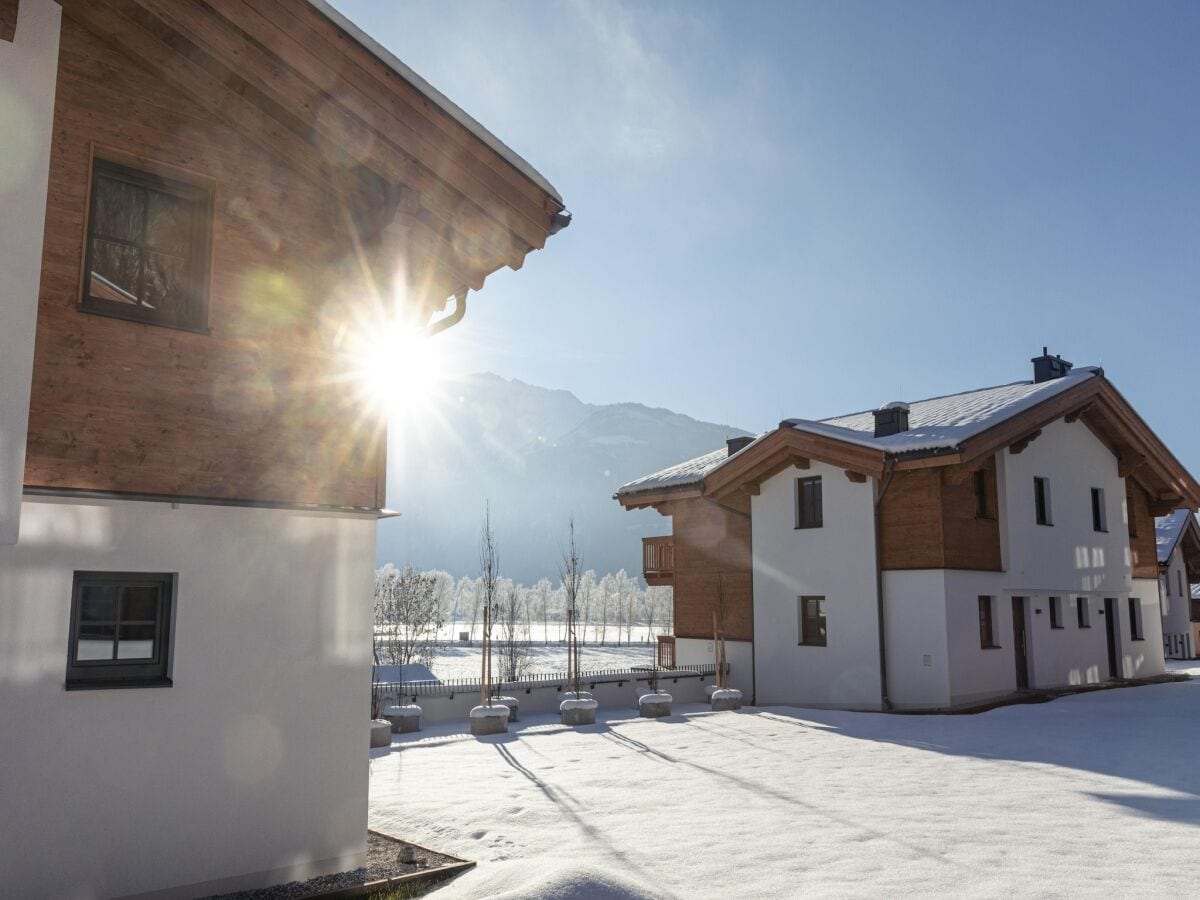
<point x="712" y="548"/>
<point x="8" y="19"/>
<point x="1143" y="548"/>
<point x="247" y="412"/>
<point x="928" y="520"/>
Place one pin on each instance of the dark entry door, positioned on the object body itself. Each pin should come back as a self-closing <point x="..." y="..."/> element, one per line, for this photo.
<point x="1110" y="632"/>
<point x="1022" y="657"/>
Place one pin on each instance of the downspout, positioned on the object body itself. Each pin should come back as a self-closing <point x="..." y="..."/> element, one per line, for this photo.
<point x="456" y="315"/>
<point x="890" y="468"/>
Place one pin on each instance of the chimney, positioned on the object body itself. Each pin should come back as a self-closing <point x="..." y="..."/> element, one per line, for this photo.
<point x="735" y="444"/>
<point x="1047" y="367"/>
<point x="891" y="419"/>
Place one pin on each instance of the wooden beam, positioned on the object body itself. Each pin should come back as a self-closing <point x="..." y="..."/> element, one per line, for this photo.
<point x="1074" y="414"/>
<point x="1017" y="446"/>
<point x="856" y="477"/>
<point x="1129" y="462"/>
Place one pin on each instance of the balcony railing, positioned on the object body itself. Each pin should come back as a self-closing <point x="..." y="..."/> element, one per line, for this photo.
<point x="658" y="560"/>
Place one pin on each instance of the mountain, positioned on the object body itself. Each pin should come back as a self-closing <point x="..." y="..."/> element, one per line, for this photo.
<point x="538" y="456"/>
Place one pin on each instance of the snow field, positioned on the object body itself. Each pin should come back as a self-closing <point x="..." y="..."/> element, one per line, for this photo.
<point x="1095" y="794"/>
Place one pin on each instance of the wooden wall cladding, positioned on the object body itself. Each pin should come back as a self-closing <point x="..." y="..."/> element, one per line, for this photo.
<point x="1143" y="547"/>
<point x="8" y="19"/>
<point x="929" y="521"/>
<point x="249" y="412"/>
<point x="712" y="551"/>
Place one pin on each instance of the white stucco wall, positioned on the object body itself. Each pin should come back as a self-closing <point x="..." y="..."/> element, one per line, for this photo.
<point x="918" y="657"/>
<point x="253" y="764"/>
<point x="836" y="561"/>
<point x="1176" y="607"/>
<point x="739" y="654"/>
<point x="28" y="75"/>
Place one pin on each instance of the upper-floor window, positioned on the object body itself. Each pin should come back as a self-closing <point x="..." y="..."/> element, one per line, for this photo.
<point x="120" y="630"/>
<point x="1099" y="516"/>
<point x="1041" y="500"/>
<point x="808" y="503"/>
<point x="1135" y="619"/>
<point x="981" y="495"/>
<point x="148" y="248"/>
<point x="812" y="621"/>
<point x="1056" y="612"/>
<point x="1179" y="580"/>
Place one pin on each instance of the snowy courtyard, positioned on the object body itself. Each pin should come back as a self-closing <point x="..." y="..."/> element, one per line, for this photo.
<point x="1094" y="794"/>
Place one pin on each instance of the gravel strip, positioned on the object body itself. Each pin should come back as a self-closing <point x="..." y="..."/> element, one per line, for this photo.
<point x="386" y="858"/>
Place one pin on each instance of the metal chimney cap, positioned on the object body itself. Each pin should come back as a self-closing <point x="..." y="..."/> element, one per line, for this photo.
<point x="896" y="404"/>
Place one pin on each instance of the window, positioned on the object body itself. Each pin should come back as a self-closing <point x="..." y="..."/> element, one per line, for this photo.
<point x="1179" y="580"/>
<point x="1135" y="619"/>
<point x="1041" y="500"/>
<point x="120" y="630"/>
<point x="808" y="502"/>
<point x="1083" y="612"/>
<point x="987" y="635"/>
<point x="981" y="497"/>
<point x="1099" y="517"/>
<point x="148" y="248"/>
<point x="812" y="621"/>
<point x="1056" y="612"/>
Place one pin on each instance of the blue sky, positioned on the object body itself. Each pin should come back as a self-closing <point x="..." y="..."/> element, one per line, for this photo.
<point x="803" y="209"/>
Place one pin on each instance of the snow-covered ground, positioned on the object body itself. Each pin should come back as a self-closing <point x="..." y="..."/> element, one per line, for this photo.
<point x="1092" y="795"/>
<point x="462" y="660"/>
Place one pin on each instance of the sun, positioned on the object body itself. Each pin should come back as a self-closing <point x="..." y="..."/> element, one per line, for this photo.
<point x="398" y="368"/>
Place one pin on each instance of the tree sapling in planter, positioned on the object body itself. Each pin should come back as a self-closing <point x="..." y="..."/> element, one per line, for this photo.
<point x="578" y="708"/>
<point x="488" y="717"/>
<point x="723" y="697"/>
<point x="655" y="704"/>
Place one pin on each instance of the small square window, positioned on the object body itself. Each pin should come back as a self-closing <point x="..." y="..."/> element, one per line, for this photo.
<point x="1041" y="501"/>
<point x="148" y="248"/>
<point x="1083" y="612"/>
<point x="812" y="621"/>
<point x="1056" y="612"/>
<point x="809" y="513"/>
<point x="120" y="630"/>
<point x="1099" y="514"/>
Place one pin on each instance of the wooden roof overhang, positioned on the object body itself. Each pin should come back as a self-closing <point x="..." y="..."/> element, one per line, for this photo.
<point x="294" y="82"/>
<point x="1189" y="546"/>
<point x="659" y="500"/>
<point x="1141" y="456"/>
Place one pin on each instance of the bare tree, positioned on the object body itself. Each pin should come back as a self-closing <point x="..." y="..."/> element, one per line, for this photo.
<point x="586" y="591"/>
<point x="408" y="615"/>
<point x="541" y="592"/>
<point x="486" y="593"/>
<point x="570" y="572"/>
<point x="515" y="656"/>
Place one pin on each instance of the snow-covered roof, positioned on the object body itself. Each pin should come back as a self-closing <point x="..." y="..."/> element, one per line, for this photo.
<point x="939" y="423"/>
<point x="1167" y="531"/>
<point x="943" y="423"/>
<point x="437" y="97"/>
<point x="681" y="475"/>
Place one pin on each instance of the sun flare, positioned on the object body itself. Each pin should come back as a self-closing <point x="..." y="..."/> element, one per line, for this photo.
<point x="398" y="368"/>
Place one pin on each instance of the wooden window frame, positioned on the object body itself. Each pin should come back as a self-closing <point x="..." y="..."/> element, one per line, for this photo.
<point x="1042" y="512"/>
<point x="96" y="674"/>
<point x="819" y="506"/>
<point x="817" y="638"/>
<point x="1136" y="632"/>
<point x="987" y="623"/>
<point x="981" y="495"/>
<point x="148" y="175"/>
<point x="1055" y="605"/>
<point x="1083" y="612"/>
<point x="1099" y="513"/>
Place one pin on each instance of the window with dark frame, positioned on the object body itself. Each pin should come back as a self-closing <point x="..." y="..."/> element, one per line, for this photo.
<point x="148" y="248"/>
<point x="1041" y="500"/>
<point x="981" y="496"/>
<point x="1083" y="613"/>
<point x="812" y="622"/>
<point x="1056" y="612"/>
<point x="987" y="634"/>
<point x="1099" y="516"/>
<point x="809" y="513"/>
<point x="120" y="630"/>
<point x="1135" y="619"/>
<point x="1179" y="581"/>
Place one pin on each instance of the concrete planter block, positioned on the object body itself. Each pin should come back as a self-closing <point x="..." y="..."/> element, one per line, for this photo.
<point x="582" y="695"/>
<point x="727" y="698"/>
<point x="381" y="733"/>
<point x="487" y="720"/>
<point x="654" y="706"/>
<point x="404" y="719"/>
<point x="512" y="703"/>
<point x="578" y="712"/>
<point x="708" y="691"/>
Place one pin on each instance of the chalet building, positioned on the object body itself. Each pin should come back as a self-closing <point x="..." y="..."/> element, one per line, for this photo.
<point x="209" y="212"/>
<point x="1178" y="537"/>
<point x="929" y="555"/>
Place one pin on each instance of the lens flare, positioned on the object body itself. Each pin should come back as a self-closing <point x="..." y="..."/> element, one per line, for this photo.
<point x="398" y="368"/>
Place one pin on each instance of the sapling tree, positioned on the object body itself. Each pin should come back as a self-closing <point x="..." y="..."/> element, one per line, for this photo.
<point x="570" y="573"/>
<point x="514" y="652"/>
<point x="487" y="594"/>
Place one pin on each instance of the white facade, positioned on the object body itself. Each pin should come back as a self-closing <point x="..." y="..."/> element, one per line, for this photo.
<point x="739" y="655"/>
<point x="1174" y="593"/>
<point x="935" y="656"/>
<point x="835" y="561"/>
<point x="28" y="76"/>
<point x="252" y="768"/>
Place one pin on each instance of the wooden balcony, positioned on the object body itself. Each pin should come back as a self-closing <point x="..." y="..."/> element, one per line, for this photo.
<point x="658" y="560"/>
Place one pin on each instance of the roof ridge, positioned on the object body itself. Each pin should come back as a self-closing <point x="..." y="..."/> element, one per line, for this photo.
<point x="863" y="412"/>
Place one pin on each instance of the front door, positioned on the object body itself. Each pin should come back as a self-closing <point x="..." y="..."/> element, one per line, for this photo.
<point x="1110" y="631"/>
<point x="1022" y="657"/>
